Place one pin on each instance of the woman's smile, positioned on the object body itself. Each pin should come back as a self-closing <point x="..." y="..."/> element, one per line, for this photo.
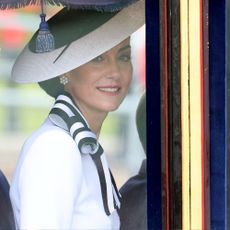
<point x="110" y="90"/>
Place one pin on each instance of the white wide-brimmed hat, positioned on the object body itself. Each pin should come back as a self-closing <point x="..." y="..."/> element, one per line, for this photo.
<point x="80" y="36"/>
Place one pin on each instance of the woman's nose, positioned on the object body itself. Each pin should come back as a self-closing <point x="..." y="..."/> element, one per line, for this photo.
<point x="113" y="69"/>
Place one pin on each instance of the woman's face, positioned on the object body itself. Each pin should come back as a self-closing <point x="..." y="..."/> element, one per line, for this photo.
<point x="101" y="84"/>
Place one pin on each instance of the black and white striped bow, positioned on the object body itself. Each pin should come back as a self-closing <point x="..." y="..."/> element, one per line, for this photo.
<point x="67" y="116"/>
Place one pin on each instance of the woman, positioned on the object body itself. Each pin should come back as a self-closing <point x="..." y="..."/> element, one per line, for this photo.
<point x="62" y="180"/>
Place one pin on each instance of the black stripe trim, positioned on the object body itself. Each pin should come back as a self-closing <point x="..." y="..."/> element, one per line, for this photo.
<point x="99" y="152"/>
<point x="102" y="180"/>
<point x="80" y="130"/>
<point x="90" y="141"/>
<point x="62" y="114"/>
<point x="115" y="188"/>
<point x="73" y="110"/>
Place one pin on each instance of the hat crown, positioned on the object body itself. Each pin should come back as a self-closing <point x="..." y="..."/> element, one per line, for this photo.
<point x="71" y="24"/>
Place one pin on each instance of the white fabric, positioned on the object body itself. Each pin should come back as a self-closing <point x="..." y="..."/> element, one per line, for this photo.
<point x="84" y="134"/>
<point x="63" y="107"/>
<point x="55" y="187"/>
<point x="75" y="126"/>
<point x="87" y="147"/>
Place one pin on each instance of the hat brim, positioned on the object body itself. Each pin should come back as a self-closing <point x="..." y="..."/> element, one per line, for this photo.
<point x="32" y="67"/>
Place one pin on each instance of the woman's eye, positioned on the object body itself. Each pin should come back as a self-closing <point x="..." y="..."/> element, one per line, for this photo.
<point x="98" y="59"/>
<point x="125" y="57"/>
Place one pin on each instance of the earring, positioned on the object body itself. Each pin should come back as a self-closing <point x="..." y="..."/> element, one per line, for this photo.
<point x="63" y="80"/>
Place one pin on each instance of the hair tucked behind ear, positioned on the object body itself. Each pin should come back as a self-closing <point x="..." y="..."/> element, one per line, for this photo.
<point x="52" y="87"/>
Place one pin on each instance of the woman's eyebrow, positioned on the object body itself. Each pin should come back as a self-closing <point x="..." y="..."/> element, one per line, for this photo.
<point x="124" y="48"/>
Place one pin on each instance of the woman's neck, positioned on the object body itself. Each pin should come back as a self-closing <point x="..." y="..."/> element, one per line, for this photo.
<point x="94" y="118"/>
<point x="95" y="123"/>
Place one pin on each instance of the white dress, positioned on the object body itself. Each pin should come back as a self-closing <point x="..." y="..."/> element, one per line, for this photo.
<point x="56" y="187"/>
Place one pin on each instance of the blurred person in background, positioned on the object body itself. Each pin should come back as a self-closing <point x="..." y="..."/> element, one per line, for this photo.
<point x="133" y="211"/>
<point x="62" y="179"/>
<point x="6" y="211"/>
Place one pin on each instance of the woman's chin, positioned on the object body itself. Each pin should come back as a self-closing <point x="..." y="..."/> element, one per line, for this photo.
<point x="111" y="108"/>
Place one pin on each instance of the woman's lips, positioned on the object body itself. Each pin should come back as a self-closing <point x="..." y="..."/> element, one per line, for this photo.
<point x="109" y="89"/>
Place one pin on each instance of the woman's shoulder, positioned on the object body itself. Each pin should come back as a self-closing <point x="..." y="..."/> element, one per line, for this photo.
<point x="48" y="156"/>
<point x="49" y="135"/>
<point x="50" y="142"/>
